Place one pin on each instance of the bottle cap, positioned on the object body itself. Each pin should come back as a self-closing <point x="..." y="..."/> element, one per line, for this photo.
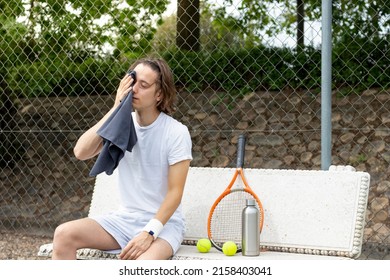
<point x="250" y="202"/>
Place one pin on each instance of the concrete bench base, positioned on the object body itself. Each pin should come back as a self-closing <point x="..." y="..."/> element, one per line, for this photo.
<point x="189" y="252"/>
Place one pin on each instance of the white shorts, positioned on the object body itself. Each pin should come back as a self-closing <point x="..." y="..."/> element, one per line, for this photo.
<point x="123" y="226"/>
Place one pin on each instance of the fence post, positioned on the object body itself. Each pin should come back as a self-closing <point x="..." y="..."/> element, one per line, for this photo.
<point x="326" y="85"/>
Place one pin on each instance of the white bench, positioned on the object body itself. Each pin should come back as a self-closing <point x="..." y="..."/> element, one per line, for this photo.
<point x="308" y="214"/>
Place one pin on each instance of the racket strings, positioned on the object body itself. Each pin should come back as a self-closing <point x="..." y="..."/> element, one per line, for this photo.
<point x="226" y="218"/>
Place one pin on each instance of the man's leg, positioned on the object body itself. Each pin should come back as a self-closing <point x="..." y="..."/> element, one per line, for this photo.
<point x="83" y="233"/>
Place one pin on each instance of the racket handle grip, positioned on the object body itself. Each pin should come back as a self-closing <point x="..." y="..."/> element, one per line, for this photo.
<point x="240" y="151"/>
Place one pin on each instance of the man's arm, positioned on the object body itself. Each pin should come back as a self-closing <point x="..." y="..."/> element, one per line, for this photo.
<point x="177" y="176"/>
<point x="90" y="143"/>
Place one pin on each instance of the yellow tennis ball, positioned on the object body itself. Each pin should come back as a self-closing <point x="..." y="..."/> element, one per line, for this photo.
<point x="203" y="245"/>
<point x="229" y="248"/>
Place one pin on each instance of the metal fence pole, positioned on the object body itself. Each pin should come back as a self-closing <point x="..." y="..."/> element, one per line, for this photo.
<point x="326" y="85"/>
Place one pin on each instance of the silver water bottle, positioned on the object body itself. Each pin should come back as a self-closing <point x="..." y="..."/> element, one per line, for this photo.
<point x="250" y="229"/>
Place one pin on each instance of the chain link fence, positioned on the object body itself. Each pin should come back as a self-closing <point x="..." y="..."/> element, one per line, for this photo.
<point x="239" y="66"/>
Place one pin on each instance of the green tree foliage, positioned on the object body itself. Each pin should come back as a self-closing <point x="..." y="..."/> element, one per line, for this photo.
<point x="222" y="29"/>
<point x="70" y="46"/>
<point x="361" y="18"/>
<point x="357" y="18"/>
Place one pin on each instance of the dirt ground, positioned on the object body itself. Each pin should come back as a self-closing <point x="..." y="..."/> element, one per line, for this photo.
<point x="21" y="246"/>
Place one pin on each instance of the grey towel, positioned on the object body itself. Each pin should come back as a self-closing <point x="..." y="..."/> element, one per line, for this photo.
<point x="118" y="135"/>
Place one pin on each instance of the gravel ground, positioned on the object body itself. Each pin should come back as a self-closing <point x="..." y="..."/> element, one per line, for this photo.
<point x="21" y="246"/>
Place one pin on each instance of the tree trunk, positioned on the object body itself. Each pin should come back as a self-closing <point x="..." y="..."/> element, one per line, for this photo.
<point x="187" y="25"/>
<point x="301" y="23"/>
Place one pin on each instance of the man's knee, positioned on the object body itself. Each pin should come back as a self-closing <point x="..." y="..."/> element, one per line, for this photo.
<point x="63" y="234"/>
<point x="63" y="242"/>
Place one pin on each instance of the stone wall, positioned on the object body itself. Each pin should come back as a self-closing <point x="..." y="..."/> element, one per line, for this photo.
<point x="47" y="185"/>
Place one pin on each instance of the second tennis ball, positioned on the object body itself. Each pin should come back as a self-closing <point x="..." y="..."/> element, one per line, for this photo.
<point x="229" y="248"/>
<point x="203" y="245"/>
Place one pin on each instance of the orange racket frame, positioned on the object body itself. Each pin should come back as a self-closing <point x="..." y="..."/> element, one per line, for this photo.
<point x="238" y="172"/>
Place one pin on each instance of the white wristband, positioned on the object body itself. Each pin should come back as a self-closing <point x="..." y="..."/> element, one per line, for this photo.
<point x="154" y="227"/>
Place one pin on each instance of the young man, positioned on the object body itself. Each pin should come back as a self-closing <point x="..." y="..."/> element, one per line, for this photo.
<point x="149" y="224"/>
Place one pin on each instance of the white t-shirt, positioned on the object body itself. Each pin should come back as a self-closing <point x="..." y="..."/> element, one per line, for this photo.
<point x="143" y="173"/>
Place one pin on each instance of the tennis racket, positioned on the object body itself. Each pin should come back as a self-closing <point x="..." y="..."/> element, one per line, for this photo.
<point x="224" y="220"/>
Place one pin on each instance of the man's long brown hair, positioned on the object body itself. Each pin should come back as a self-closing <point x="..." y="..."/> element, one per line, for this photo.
<point x="164" y="82"/>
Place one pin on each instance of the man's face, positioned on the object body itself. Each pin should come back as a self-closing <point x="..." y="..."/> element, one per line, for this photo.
<point x="146" y="92"/>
